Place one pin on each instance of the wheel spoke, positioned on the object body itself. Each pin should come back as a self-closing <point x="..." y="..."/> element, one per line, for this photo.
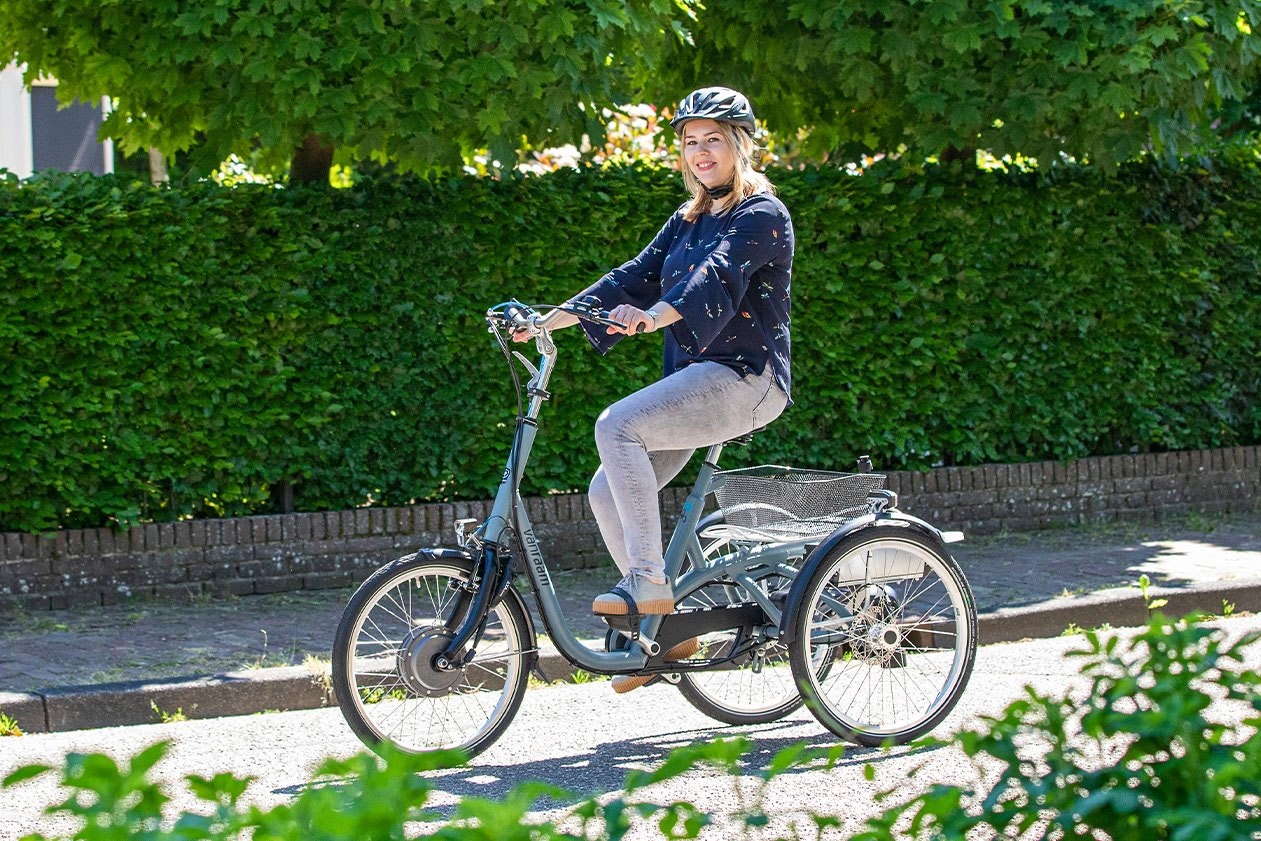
<point x="387" y="685"/>
<point x="900" y="629"/>
<point x="752" y="689"/>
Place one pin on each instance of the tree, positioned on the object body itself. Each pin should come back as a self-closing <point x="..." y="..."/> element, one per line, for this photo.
<point x="300" y="83"/>
<point x="1099" y="80"/>
<point x="297" y="84"/>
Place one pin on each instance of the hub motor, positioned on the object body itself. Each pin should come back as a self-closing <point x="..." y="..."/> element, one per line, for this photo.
<point x="416" y="657"/>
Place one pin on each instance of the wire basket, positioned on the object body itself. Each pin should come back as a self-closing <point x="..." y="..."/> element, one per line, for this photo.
<point x="773" y="502"/>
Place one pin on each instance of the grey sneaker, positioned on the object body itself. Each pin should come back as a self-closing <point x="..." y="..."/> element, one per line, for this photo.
<point x="635" y="594"/>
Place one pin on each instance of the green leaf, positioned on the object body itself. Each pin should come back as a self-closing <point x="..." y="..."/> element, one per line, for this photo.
<point x="21" y="775"/>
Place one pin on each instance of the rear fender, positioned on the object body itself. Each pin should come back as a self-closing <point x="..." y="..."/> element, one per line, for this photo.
<point x="796" y="596"/>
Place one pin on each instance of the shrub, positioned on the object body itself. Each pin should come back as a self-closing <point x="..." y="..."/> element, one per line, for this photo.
<point x="1137" y="759"/>
<point x="181" y="352"/>
<point x="385" y="797"/>
<point x="1136" y="756"/>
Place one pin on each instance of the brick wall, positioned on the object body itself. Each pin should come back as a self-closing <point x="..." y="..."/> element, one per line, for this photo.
<point x="208" y="558"/>
<point x="1023" y="497"/>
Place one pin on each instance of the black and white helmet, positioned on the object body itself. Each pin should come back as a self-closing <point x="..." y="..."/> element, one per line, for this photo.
<point x="721" y="104"/>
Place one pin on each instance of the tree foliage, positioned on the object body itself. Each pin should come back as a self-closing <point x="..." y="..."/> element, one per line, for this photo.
<point x="416" y="83"/>
<point x="424" y="84"/>
<point x="1098" y="80"/>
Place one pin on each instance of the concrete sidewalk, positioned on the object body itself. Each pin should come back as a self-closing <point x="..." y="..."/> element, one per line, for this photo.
<point x="139" y="663"/>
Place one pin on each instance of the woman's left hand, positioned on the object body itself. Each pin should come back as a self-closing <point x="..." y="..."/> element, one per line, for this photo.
<point x="634" y="319"/>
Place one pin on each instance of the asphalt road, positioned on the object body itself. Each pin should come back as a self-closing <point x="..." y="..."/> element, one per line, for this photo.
<point x="582" y="737"/>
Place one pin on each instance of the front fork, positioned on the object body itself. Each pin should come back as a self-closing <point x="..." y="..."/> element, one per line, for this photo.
<point x="470" y="610"/>
<point x="492" y="572"/>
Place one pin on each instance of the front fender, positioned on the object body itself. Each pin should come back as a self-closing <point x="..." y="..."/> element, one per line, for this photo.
<point x="467" y="559"/>
<point x="796" y="595"/>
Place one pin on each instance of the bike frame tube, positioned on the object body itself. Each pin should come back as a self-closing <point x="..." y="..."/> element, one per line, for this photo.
<point x="733" y="566"/>
<point x="509" y="509"/>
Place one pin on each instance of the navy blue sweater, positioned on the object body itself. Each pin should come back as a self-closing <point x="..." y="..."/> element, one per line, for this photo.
<point x="729" y="278"/>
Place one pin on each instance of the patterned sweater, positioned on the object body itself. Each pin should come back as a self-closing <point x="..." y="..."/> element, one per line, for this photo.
<point x="729" y="278"/>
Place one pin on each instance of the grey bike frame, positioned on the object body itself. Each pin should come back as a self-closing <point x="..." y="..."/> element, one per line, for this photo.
<point x="684" y="543"/>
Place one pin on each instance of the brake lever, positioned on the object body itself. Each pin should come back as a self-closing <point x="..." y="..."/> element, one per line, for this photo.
<point x="608" y="321"/>
<point x="588" y="308"/>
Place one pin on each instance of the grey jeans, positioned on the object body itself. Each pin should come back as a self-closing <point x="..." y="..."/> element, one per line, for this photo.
<point x="646" y="439"/>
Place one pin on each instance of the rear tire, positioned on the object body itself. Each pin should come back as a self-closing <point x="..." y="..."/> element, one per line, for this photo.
<point x="755" y="690"/>
<point x="898" y="622"/>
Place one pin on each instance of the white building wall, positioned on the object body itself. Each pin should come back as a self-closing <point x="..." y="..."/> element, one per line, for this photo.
<point x="19" y="129"/>
<point x="107" y="145"/>
<point x="16" y="149"/>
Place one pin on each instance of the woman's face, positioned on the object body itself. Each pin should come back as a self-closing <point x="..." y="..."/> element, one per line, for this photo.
<point x="707" y="153"/>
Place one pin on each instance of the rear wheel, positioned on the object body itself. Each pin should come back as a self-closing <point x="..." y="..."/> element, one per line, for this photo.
<point x="896" y="618"/>
<point x="383" y="671"/>
<point x="758" y="686"/>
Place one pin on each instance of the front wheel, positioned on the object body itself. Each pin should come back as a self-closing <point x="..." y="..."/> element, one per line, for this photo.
<point x="383" y="673"/>
<point x="898" y="620"/>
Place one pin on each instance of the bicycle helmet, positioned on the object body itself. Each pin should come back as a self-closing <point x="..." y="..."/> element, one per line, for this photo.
<point x="717" y="103"/>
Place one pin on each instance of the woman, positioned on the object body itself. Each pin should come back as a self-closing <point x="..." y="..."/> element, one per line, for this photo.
<point x="715" y="279"/>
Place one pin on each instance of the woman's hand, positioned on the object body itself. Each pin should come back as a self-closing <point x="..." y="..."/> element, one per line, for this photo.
<point x="633" y="319"/>
<point x="523" y="335"/>
<point x="639" y="321"/>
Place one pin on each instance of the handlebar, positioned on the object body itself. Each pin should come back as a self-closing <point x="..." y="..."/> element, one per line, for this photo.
<point x="516" y="316"/>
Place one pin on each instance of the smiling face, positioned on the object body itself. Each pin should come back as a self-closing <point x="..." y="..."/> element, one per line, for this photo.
<point x="707" y="153"/>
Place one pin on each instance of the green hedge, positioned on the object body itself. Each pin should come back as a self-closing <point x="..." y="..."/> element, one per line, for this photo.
<point x="179" y="352"/>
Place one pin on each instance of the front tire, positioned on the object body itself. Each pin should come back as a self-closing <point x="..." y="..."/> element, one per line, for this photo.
<point x="383" y="674"/>
<point x="899" y="623"/>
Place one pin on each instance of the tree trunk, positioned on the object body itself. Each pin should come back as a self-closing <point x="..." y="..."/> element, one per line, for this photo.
<point x="311" y="161"/>
<point x="157" y="167"/>
<point x="282" y="496"/>
<point x="953" y="154"/>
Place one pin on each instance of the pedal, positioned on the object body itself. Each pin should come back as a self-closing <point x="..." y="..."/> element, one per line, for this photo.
<point x="628" y="626"/>
<point x="647" y="645"/>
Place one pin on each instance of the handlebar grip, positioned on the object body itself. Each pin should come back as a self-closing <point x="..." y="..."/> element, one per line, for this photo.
<point x="517" y="319"/>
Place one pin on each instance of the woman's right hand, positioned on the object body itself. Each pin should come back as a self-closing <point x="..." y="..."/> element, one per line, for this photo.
<point x="639" y="321"/>
<point x="524" y="334"/>
<point x="633" y="319"/>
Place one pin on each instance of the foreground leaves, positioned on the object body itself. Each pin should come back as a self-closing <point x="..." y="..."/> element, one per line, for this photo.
<point x="1135" y="757"/>
<point x="1159" y="744"/>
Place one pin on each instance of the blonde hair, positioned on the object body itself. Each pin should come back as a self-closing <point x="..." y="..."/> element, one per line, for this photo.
<point x="746" y="182"/>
